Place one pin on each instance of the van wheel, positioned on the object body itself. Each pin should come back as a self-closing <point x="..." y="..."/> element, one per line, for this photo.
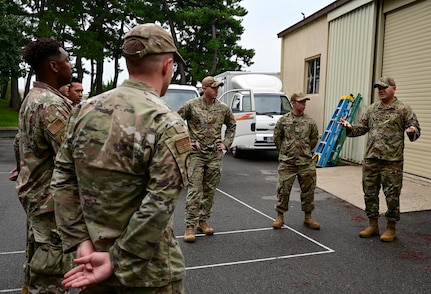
<point x="235" y="152"/>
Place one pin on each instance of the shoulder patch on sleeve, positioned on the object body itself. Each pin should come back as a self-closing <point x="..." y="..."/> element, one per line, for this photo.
<point x="56" y="126"/>
<point x="183" y="145"/>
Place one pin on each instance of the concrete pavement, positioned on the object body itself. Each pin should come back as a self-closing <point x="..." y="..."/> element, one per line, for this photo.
<point x="345" y="182"/>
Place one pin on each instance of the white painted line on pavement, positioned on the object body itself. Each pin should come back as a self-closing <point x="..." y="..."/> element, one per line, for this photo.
<point x="231" y="232"/>
<point x="255" y="260"/>
<point x="327" y="249"/>
<point x="261" y="213"/>
<point x="12" y="252"/>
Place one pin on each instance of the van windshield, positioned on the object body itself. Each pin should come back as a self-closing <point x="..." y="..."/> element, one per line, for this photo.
<point x="271" y="104"/>
<point x="175" y="98"/>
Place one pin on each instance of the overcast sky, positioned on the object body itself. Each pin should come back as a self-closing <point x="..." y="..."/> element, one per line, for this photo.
<point x="265" y="19"/>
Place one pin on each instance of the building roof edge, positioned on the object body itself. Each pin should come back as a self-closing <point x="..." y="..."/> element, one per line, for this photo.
<point x="324" y="11"/>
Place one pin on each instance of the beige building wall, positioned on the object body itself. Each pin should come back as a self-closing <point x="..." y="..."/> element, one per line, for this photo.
<point x="357" y="41"/>
<point x="296" y="48"/>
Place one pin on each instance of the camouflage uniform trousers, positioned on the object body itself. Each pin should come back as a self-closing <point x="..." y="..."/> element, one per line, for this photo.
<point x="176" y="287"/>
<point x="378" y="173"/>
<point x="306" y="175"/>
<point x="45" y="262"/>
<point x="204" y="175"/>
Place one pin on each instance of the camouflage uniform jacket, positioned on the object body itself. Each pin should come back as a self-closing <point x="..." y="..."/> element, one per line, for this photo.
<point x="42" y="123"/>
<point x="295" y="137"/>
<point x="205" y="122"/>
<point x="117" y="179"/>
<point x="386" y="127"/>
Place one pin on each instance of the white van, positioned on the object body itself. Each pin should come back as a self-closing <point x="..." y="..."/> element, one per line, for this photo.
<point x="257" y="103"/>
<point x="177" y="95"/>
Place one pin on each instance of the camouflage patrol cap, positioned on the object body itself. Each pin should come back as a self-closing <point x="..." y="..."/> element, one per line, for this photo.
<point x="298" y="96"/>
<point x="210" y="81"/>
<point x="385" y="82"/>
<point x="153" y="39"/>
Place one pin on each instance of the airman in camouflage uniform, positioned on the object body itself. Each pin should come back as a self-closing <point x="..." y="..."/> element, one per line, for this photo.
<point x="205" y="118"/>
<point x="42" y="121"/>
<point x="385" y="122"/>
<point x="295" y="136"/>
<point x="118" y="176"/>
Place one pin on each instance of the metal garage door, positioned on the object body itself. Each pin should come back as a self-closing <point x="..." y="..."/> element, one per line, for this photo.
<point x="407" y="57"/>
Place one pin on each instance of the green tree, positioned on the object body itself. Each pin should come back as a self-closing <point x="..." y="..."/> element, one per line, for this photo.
<point x="96" y="37"/>
<point x="39" y="21"/>
<point x="95" y="31"/>
<point x="208" y="32"/>
<point x="89" y="30"/>
<point x="10" y="60"/>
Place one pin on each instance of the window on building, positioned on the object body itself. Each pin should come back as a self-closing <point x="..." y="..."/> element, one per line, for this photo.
<point x="313" y="75"/>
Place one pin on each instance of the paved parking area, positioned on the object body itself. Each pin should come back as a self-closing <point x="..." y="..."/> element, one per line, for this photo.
<point x="246" y="255"/>
<point x="255" y="231"/>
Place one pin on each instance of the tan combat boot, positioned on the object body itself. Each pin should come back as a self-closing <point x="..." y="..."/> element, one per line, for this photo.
<point x="389" y="235"/>
<point x="311" y="223"/>
<point x="24" y="288"/>
<point x="279" y="221"/>
<point x="371" y="230"/>
<point x="189" y="235"/>
<point x="204" y="228"/>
